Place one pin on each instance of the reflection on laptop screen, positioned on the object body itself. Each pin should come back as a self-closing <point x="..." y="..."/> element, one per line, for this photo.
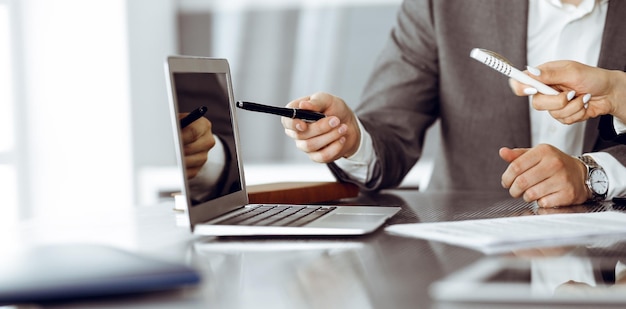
<point x="220" y="175"/>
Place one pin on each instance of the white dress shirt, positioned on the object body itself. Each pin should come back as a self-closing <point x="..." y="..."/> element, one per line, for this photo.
<point x="556" y="31"/>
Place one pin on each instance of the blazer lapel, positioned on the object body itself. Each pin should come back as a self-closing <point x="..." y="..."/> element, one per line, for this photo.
<point x="512" y="31"/>
<point x="510" y="38"/>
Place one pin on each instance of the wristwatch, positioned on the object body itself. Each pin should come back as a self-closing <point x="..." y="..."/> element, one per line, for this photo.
<point x="597" y="181"/>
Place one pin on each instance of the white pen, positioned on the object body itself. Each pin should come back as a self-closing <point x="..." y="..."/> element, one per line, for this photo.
<point x="502" y="65"/>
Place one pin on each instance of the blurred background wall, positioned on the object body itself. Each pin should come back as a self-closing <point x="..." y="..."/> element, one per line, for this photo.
<point x="282" y="51"/>
<point x="84" y="88"/>
<point x="278" y="50"/>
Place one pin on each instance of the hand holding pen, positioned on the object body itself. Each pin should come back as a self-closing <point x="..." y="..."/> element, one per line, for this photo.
<point x="197" y="139"/>
<point x="193" y="116"/>
<point x="330" y="138"/>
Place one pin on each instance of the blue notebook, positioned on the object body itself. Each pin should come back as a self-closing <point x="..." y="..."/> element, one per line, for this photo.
<point x="79" y="271"/>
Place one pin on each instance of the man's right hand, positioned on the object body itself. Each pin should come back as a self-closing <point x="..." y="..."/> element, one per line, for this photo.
<point x="197" y="140"/>
<point x="330" y="138"/>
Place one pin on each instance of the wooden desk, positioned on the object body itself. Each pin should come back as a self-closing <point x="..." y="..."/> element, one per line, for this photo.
<point x="373" y="271"/>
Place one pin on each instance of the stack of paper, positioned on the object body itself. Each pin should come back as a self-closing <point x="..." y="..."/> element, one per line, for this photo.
<point x="510" y="233"/>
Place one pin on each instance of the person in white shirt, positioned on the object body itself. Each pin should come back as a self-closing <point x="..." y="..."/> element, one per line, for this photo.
<point x="489" y="138"/>
<point x="586" y="92"/>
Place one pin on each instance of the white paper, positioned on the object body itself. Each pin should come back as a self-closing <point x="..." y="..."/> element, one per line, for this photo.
<point x="505" y="234"/>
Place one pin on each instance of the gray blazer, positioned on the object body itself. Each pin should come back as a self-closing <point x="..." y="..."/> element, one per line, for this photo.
<point x="425" y="73"/>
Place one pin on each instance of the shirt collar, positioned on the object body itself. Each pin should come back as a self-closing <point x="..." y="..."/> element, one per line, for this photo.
<point x="585" y="7"/>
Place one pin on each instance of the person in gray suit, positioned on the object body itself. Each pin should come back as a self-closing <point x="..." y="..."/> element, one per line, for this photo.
<point x="490" y="138"/>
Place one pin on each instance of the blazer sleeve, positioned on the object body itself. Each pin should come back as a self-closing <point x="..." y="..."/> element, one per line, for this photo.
<point x="404" y="74"/>
<point x="607" y="130"/>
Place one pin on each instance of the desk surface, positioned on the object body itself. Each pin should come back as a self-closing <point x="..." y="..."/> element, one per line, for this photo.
<point x="374" y="271"/>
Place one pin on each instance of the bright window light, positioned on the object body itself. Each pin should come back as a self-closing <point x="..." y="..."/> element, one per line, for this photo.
<point x="6" y="96"/>
<point x="8" y="180"/>
<point x="76" y="81"/>
<point x="8" y="191"/>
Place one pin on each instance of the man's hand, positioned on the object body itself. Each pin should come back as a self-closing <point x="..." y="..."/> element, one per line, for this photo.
<point x="330" y="138"/>
<point x="197" y="141"/>
<point x="546" y="175"/>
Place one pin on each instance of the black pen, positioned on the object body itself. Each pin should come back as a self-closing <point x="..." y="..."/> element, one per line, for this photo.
<point x="294" y="113"/>
<point x="193" y="116"/>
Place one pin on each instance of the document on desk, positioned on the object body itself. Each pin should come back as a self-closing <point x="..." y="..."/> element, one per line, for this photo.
<point x="505" y="234"/>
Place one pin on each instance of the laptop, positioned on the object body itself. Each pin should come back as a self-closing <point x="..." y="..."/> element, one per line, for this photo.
<point x="216" y="197"/>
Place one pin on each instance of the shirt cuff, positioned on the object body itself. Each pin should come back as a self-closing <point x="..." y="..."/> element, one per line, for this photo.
<point x="359" y="166"/>
<point x="620" y="127"/>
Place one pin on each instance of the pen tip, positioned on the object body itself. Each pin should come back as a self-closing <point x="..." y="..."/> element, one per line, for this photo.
<point x="239" y="103"/>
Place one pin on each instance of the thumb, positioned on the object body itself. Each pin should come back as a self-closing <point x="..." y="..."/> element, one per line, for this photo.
<point x="310" y="105"/>
<point x="319" y="102"/>
<point x="509" y="155"/>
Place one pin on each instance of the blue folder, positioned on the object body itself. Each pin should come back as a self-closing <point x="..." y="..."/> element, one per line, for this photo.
<point x="79" y="271"/>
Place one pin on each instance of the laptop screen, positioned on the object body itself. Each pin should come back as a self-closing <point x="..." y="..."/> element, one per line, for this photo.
<point x="212" y="185"/>
<point x="219" y="175"/>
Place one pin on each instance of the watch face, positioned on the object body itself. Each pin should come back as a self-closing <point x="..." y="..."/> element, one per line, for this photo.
<point x="599" y="182"/>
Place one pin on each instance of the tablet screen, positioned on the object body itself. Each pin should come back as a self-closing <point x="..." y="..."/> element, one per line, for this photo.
<point x="542" y="280"/>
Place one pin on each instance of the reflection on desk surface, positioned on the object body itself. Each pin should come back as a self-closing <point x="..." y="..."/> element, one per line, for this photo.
<point x="320" y="273"/>
<point x="373" y="271"/>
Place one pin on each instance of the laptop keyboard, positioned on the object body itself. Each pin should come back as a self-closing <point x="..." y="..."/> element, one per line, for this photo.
<point x="278" y="215"/>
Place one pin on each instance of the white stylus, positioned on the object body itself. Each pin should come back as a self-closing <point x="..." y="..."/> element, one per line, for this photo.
<point x="502" y="65"/>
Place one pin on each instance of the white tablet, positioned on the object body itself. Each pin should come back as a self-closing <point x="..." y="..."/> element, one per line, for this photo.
<point x="559" y="280"/>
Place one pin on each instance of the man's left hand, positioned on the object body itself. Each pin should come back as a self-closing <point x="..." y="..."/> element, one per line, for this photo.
<point x="544" y="174"/>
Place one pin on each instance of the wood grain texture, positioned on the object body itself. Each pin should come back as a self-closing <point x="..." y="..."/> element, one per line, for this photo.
<point x="300" y="192"/>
